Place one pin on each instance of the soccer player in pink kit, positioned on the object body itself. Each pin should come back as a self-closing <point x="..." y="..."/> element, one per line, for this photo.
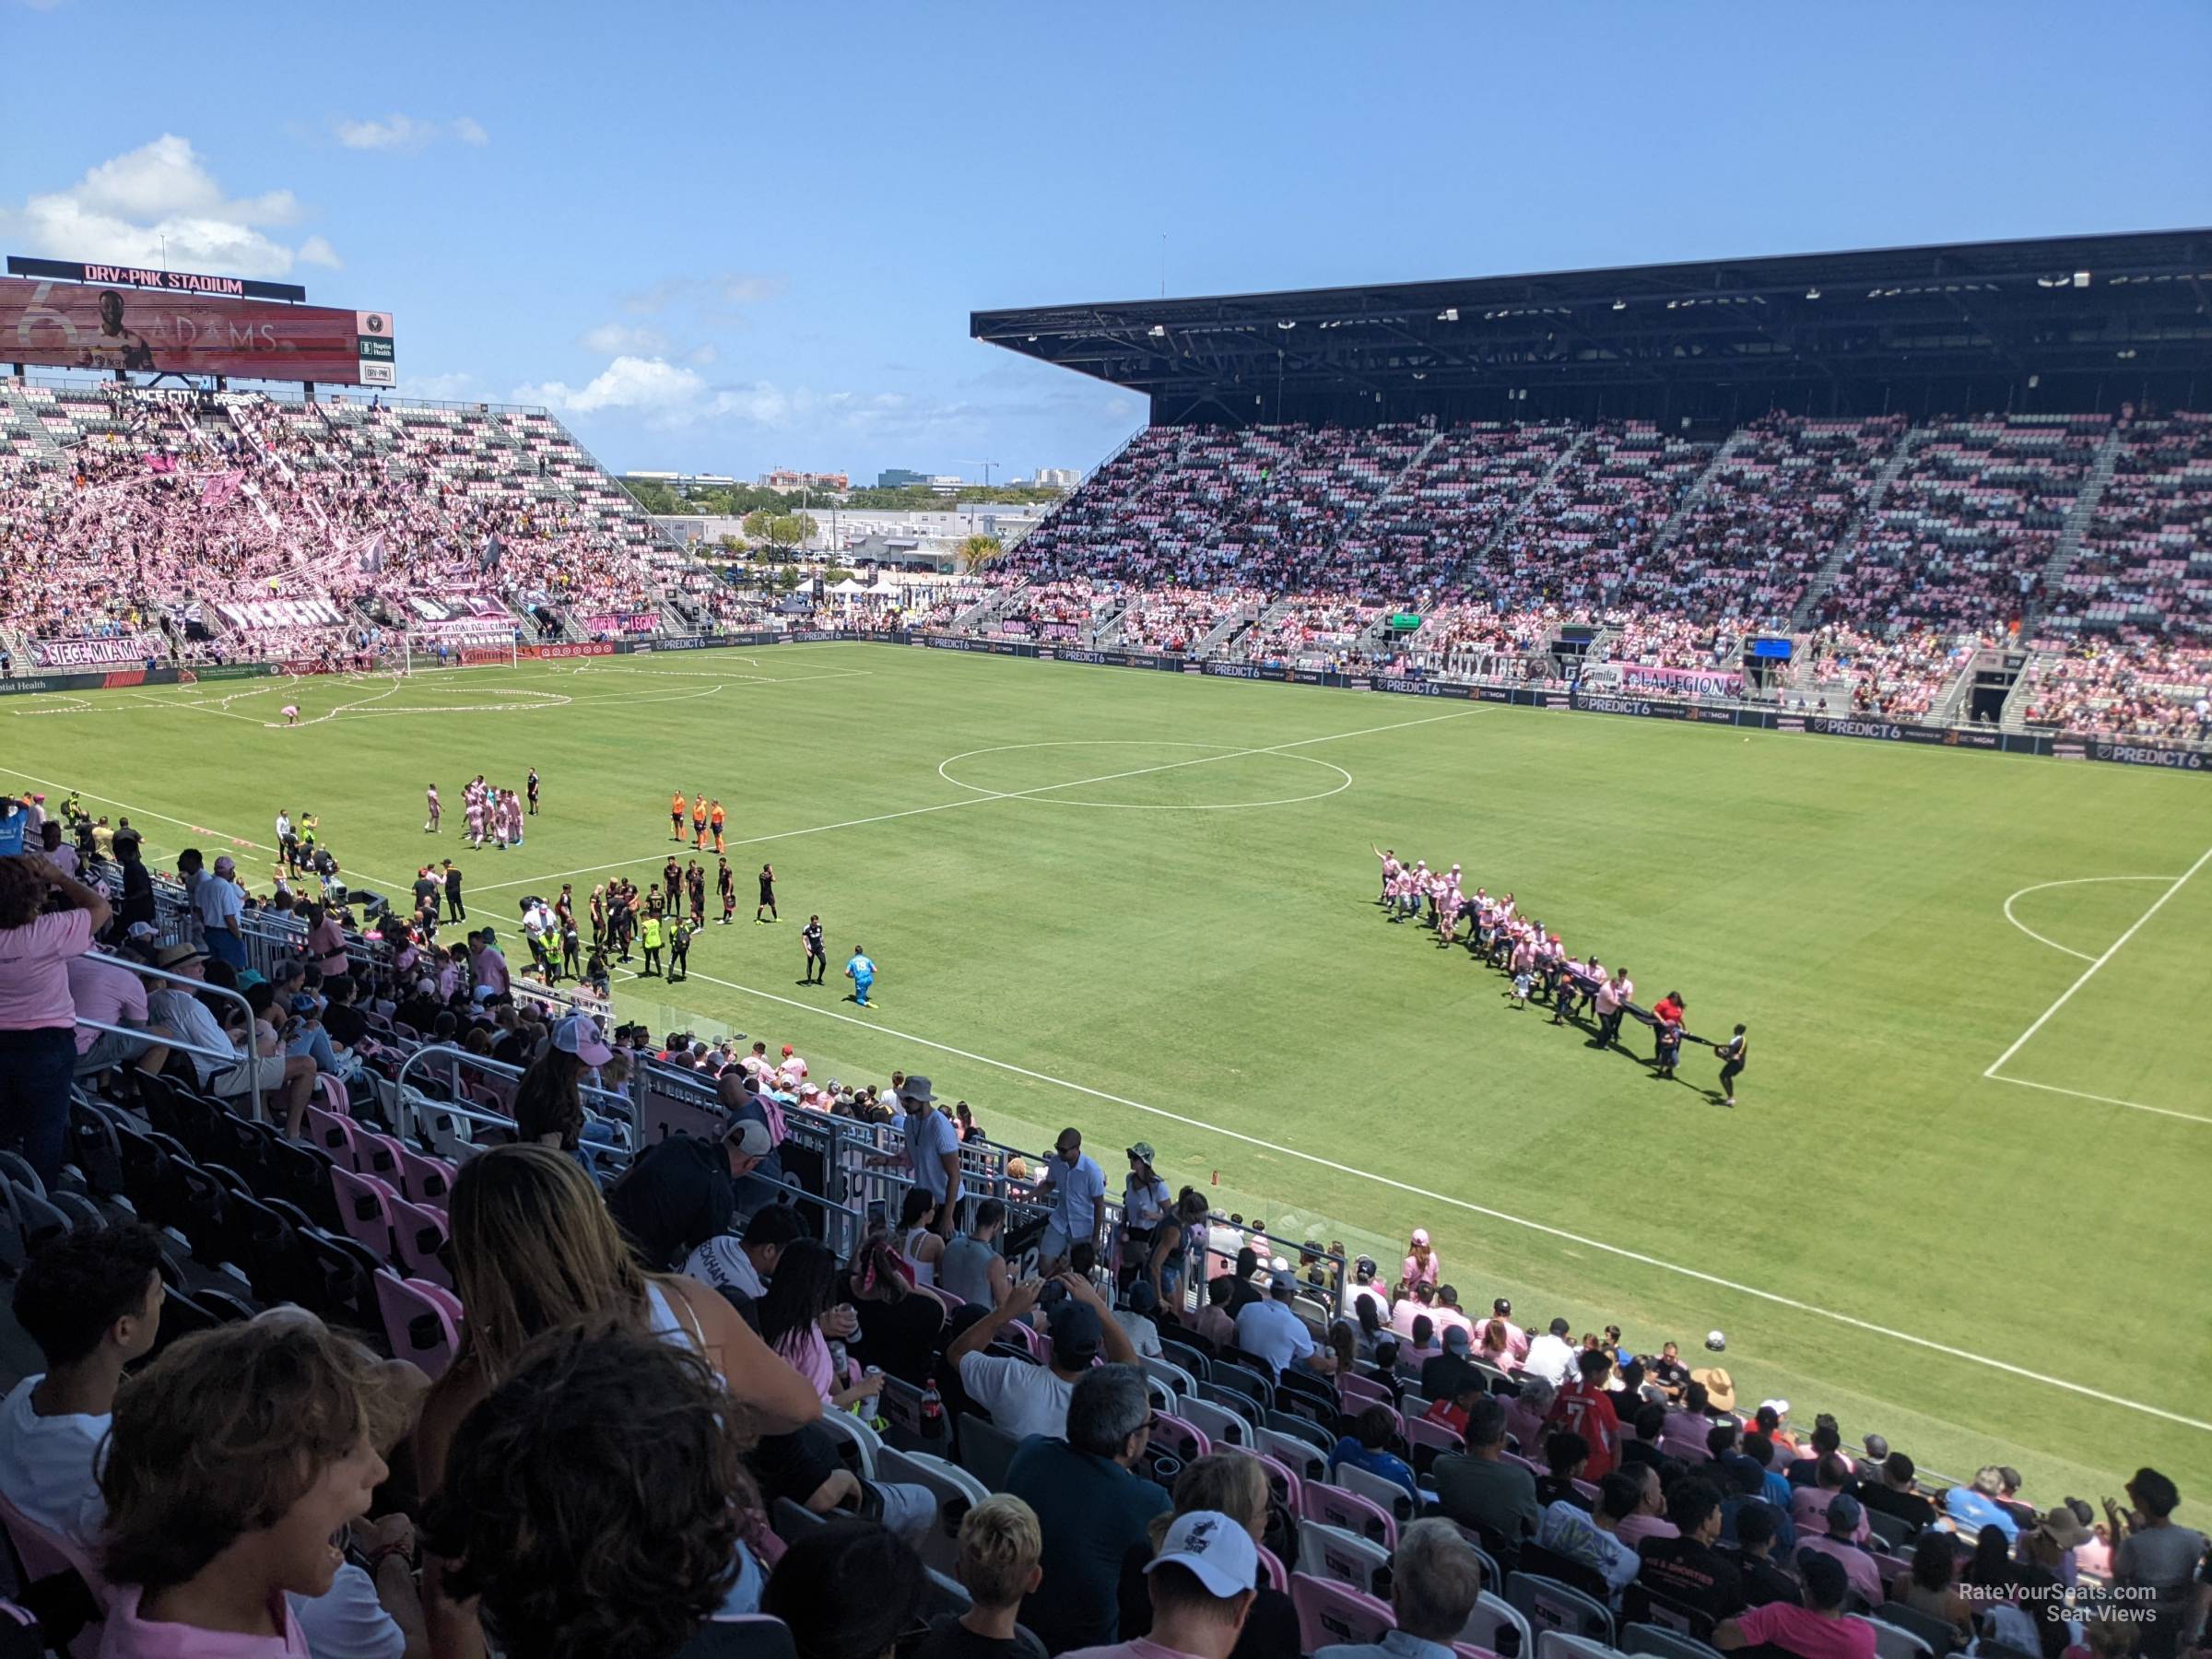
<point x="472" y="813"/>
<point x="431" y="827"/>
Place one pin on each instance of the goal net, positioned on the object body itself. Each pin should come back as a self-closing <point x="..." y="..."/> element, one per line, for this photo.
<point x="452" y="649"/>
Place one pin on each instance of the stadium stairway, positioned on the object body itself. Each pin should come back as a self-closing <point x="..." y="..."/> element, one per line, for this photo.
<point x="1470" y="569"/>
<point x="1847" y="543"/>
<point x="1721" y="458"/>
<point x="2079" y="515"/>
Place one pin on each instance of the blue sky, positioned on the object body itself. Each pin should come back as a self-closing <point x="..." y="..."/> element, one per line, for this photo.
<point x="722" y="238"/>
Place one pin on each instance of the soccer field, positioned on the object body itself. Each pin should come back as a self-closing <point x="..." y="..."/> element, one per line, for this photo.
<point x="1143" y="903"/>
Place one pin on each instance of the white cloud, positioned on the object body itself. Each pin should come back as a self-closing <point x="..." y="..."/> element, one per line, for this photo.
<point x="158" y="200"/>
<point x="648" y="387"/>
<point x="616" y="339"/>
<point x="396" y="132"/>
<point x="702" y="354"/>
<point x="459" y="385"/>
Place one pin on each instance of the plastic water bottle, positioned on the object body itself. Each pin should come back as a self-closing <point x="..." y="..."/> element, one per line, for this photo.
<point x="871" y="1410"/>
<point x="933" y="1411"/>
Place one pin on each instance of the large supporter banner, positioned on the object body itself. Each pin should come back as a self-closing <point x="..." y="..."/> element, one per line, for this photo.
<point x="85" y="653"/>
<point x="79" y="325"/>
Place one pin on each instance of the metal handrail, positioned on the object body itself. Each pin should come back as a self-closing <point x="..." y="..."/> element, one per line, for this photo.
<point x="626" y="1114"/>
<point x="251" y="1059"/>
<point x="157" y="1040"/>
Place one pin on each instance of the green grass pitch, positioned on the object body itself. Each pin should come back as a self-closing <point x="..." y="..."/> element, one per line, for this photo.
<point x="1142" y="903"/>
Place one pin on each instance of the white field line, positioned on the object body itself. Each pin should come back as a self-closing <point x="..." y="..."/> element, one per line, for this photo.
<point x="234" y="841"/>
<point x="1621" y="1252"/>
<point x="2077" y="881"/>
<point x="1015" y="795"/>
<point x="2089" y="972"/>
<point x="2106" y="1099"/>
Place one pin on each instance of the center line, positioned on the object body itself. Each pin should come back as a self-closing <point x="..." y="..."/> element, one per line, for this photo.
<point x="1012" y="794"/>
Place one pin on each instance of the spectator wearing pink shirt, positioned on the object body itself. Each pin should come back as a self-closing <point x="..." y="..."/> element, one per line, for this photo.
<point x="1422" y="1264"/>
<point x="38" y="1019"/>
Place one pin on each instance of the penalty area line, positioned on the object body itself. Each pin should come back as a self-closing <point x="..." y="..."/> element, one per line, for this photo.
<point x="1546" y="1228"/>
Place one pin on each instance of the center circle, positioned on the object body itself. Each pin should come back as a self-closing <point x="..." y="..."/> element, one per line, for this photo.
<point x="1054" y="794"/>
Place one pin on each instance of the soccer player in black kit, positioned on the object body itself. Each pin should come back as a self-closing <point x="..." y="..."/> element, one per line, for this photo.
<point x="531" y="786"/>
<point x="728" y="887"/>
<point x="817" y="960"/>
<point x="767" y="895"/>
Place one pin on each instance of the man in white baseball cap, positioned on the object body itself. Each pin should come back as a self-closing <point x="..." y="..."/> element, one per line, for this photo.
<point x="1201" y="1584"/>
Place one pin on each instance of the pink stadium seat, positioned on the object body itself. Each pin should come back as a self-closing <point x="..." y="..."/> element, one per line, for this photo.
<point x="334" y="1134"/>
<point x="419" y="1328"/>
<point x="1420" y="1431"/>
<point x="1361" y="1391"/>
<point x="1331" y="1614"/>
<point x="1183" y="1438"/>
<point x="365" y="1206"/>
<point x="425" y="1180"/>
<point x="1271" y="1569"/>
<point x="420" y="1234"/>
<point x="1362" y="1517"/>
<point x="379" y="1154"/>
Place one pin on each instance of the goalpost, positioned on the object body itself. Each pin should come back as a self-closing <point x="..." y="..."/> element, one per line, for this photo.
<point x="487" y="649"/>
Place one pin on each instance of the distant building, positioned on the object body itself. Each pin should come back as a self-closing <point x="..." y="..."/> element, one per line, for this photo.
<point x="946" y="484"/>
<point x="1056" y="477"/>
<point x="786" y="481"/>
<point x="899" y="478"/>
<point x="684" y="483"/>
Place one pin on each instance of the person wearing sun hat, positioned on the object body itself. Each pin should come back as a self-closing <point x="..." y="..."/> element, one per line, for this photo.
<point x="1145" y="1201"/>
<point x="1422" y="1264"/>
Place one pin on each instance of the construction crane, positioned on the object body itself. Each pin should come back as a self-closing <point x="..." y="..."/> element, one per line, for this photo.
<point x="986" y="465"/>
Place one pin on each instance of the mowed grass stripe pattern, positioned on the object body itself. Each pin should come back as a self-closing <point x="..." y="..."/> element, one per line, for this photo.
<point x="1844" y="900"/>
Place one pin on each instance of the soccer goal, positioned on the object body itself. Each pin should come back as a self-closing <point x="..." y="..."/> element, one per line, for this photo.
<point x="488" y="649"/>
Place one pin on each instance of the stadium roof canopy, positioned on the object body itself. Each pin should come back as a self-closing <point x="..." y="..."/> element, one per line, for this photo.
<point x="2055" y="323"/>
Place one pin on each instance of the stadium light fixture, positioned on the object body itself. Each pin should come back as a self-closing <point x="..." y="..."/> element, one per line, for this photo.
<point x="1812" y="293"/>
<point x="1620" y="305"/>
<point x="1158" y="331"/>
<point x="1448" y="315"/>
<point x="2081" y="279"/>
<point x="1285" y="323"/>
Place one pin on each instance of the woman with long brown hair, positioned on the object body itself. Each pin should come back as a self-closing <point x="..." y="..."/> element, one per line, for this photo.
<point x="534" y="1250"/>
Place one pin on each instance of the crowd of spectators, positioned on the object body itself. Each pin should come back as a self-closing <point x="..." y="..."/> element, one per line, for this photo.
<point x="647" y="1429"/>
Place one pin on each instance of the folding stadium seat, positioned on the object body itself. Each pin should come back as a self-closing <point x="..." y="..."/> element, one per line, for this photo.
<point x="1301" y="1428"/>
<point x="81" y="1211"/>
<point x="183" y="1315"/>
<point x="1489" y="1550"/>
<point x="858" y="1443"/>
<point x="1180" y="1436"/>
<point x="93" y="1150"/>
<point x="1385" y="1494"/>
<point x="957" y="1492"/>
<point x="1685" y="1449"/>
<point x="1664" y="1643"/>
<point x="1434" y="1437"/>
<point x="15" y="1167"/>
<point x="41" y="1555"/>
<point x="1344" y="1558"/>
<point x="1243" y="1380"/>
<point x="365" y="1206"/>
<point x="418" y="1327"/>
<point x="1360" y="1516"/>
<point x="1893" y="1531"/>
<point x="1558" y="1644"/>
<point x="1940" y="1634"/>
<point x="342" y="1279"/>
<point x="200" y="1205"/>
<point x="1295" y="1453"/>
<point x="1331" y="1612"/>
<point x="300" y="1174"/>
<point x="419" y="1235"/>
<point x="985" y="1450"/>
<point x="40" y="1219"/>
<point x="1174" y="1375"/>
<point x="1307" y="1394"/>
<point x="1552" y="1604"/>
<point x="425" y="1180"/>
<point x="1183" y="1348"/>
<point x="1224" y="1428"/>
<point x="1359" y="1393"/>
<point x="335" y="1136"/>
<point x="1497" y="1627"/>
<point x="1641" y="1604"/>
